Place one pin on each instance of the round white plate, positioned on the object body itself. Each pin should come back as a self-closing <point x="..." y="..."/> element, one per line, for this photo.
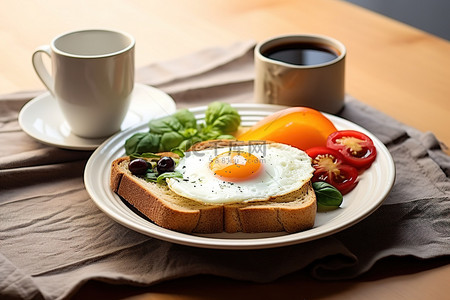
<point x="41" y="118"/>
<point x="375" y="184"/>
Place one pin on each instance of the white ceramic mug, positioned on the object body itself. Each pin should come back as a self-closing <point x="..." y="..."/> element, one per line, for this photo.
<point x="301" y="70"/>
<point x="92" y="78"/>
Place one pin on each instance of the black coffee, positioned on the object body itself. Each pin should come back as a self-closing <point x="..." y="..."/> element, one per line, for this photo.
<point x="304" y="54"/>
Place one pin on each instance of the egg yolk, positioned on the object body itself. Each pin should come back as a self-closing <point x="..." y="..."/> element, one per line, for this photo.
<point x="235" y="166"/>
<point x="299" y="127"/>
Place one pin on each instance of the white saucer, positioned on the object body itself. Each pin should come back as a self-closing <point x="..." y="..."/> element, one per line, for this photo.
<point x="41" y="118"/>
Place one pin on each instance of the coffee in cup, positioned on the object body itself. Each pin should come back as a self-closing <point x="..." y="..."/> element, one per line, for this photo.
<point x="301" y="70"/>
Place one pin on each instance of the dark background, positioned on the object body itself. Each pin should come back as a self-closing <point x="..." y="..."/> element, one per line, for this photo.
<point x="432" y="16"/>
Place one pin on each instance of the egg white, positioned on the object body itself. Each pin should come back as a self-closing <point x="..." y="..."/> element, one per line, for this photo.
<point x="285" y="169"/>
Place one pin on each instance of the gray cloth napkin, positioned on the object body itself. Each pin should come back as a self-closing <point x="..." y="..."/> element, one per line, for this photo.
<point x="53" y="238"/>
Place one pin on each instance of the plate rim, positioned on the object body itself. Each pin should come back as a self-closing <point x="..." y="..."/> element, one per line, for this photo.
<point x="210" y="242"/>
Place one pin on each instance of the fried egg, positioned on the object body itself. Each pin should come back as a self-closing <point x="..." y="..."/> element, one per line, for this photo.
<point x="241" y="174"/>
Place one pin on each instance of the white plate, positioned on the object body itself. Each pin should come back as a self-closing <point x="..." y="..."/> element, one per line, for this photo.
<point x="375" y="184"/>
<point x="41" y="118"/>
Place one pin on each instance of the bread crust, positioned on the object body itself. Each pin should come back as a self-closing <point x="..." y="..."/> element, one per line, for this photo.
<point x="150" y="199"/>
<point x="273" y="216"/>
<point x="294" y="212"/>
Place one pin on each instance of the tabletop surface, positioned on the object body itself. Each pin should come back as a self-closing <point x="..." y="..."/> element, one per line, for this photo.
<point x="397" y="69"/>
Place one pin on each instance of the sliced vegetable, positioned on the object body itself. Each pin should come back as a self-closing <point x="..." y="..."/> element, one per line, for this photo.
<point x="327" y="195"/>
<point x="330" y="167"/>
<point x="356" y="147"/>
<point x="300" y="127"/>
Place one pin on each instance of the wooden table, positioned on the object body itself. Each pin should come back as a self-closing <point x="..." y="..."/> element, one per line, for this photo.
<point x="393" y="67"/>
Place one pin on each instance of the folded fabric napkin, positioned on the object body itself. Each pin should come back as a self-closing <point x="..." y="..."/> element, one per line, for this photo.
<point x="53" y="238"/>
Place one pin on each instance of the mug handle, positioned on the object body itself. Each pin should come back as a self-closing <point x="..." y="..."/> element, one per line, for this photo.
<point x="41" y="70"/>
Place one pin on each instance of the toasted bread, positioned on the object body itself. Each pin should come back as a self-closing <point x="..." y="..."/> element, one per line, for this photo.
<point x="292" y="212"/>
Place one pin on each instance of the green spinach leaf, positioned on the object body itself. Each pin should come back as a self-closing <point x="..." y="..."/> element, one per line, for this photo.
<point x="327" y="195"/>
<point x="221" y="117"/>
<point x="170" y="140"/>
<point x="165" y="124"/>
<point x="186" y="118"/>
<point x="142" y="142"/>
<point x="180" y="130"/>
<point x="163" y="176"/>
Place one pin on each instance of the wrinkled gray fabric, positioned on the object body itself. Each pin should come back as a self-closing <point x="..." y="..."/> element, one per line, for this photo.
<point x="53" y="238"/>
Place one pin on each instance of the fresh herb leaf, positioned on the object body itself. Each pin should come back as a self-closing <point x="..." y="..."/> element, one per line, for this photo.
<point x="163" y="176"/>
<point x="131" y="143"/>
<point x="142" y="142"/>
<point x="189" y="132"/>
<point x="327" y="195"/>
<point x="134" y="156"/>
<point x="178" y="151"/>
<point x="186" y="144"/>
<point x="170" y="140"/>
<point x="186" y="118"/>
<point x="151" y="176"/>
<point x="180" y="130"/>
<point x="226" y="137"/>
<point x="165" y="124"/>
<point x="150" y="155"/>
<point x="221" y="117"/>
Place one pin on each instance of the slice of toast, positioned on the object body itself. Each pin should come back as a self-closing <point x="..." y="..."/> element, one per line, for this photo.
<point x="292" y="212"/>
